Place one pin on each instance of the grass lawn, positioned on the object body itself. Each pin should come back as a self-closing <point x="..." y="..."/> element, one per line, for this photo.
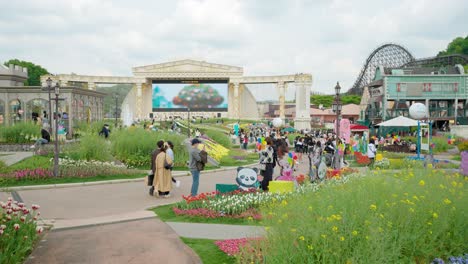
<point x="237" y="157"/>
<point x="208" y="252"/>
<point x="12" y="182"/>
<point x="30" y="163"/>
<point x="166" y="214"/>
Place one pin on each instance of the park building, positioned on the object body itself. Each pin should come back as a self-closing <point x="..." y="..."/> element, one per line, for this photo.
<point x="19" y="103"/>
<point x="444" y="91"/>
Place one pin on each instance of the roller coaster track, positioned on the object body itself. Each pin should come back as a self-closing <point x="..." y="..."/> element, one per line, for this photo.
<point x="387" y="55"/>
<point x="439" y="61"/>
<point x="393" y="56"/>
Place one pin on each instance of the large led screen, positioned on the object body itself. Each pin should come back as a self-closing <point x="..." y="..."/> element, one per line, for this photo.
<point x="208" y="95"/>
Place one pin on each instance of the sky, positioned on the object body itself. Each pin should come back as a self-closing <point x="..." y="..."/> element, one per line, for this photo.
<point x="329" y="39"/>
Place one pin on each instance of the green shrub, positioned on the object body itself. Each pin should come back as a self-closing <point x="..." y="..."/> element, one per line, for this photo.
<point x="408" y="217"/>
<point x="219" y="137"/>
<point x="84" y="128"/>
<point x="24" y="132"/>
<point x="133" y="146"/>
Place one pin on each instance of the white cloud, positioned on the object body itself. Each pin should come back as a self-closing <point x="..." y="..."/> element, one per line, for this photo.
<point x="330" y="39"/>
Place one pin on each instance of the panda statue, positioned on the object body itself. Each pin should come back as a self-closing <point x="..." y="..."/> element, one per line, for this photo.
<point x="247" y="178"/>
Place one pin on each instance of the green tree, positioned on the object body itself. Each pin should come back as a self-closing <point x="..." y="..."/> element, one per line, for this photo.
<point x="327" y="100"/>
<point x="34" y="71"/>
<point x="458" y="45"/>
<point x="351" y="99"/>
<point x="119" y="90"/>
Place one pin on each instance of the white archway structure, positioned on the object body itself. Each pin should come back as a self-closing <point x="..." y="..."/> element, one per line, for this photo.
<point x="241" y="103"/>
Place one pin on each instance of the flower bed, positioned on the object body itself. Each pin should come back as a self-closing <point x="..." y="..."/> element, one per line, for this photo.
<point x="237" y="204"/>
<point x="406" y="217"/>
<point x="18" y="230"/>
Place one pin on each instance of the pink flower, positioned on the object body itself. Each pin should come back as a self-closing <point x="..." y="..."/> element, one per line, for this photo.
<point x="25" y="211"/>
<point x="21" y="205"/>
<point x="16" y="226"/>
<point x="39" y="229"/>
<point x="2" y="227"/>
<point x="35" y="207"/>
<point x="9" y="211"/>
<point x="1" y="232"/>
<point x="23" y="219"/>
<point x="8" y="217"/>
<point x="10" y="199"/>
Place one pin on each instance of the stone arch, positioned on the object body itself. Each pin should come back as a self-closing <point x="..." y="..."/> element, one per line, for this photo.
<point x="16" y="109"/>
<point x="35" y="108"/>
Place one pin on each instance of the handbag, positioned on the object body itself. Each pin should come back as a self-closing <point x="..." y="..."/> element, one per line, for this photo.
<point x="167" y="166"/>
<point x="150" y="179"/>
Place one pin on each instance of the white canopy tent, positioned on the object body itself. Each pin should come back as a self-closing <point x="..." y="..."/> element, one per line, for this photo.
<point x="400" y="121"/>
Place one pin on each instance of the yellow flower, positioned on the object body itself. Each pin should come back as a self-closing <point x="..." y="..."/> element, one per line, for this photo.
<point x="302" y="238"/>
<point x="429" y="223"/>
<point x="373" y="207"/>
<point x="454" y="184"/>
<point x="435" y="215"/>
<point x="355" y="233"/>
<point x="381" y="216"/>
<point x="422" y="183"/>
<point x="335" y="229"/>
<point x="447" y="201"/>
<point x="293" y="230"/>
<point x="323" y="236"/>
<point x="342" y="239"/>
<point x="310" y="247"/>
<point x="250" y="218"/>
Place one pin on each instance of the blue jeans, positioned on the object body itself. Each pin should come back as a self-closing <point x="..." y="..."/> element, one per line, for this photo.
<point x="195" y="178"/>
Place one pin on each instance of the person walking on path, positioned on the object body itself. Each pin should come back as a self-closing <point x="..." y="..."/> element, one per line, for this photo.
<point x="154" y="154"/>
<point x="170" y="152"/>
<point x="371" y="152"/>
<point x="194" y="158"/>
<point x="162" y="177"/>
<point x="267" y="161"/>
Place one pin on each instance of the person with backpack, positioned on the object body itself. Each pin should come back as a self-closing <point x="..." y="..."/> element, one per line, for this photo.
<point x="197" y="161"/>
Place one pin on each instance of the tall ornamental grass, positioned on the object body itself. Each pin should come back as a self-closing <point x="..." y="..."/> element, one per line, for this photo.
<point x="90" y="147"/>
<point x="23" y="132"/>
<point x="133" y="146"/>
<point x="413" y="216"/>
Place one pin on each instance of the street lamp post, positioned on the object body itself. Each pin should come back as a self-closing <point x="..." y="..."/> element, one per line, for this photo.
<point x="188" y="119"/>
<point x="116" y="109"/>
<point x="336" y="107"/>
<point x="49" y="88"/>
<point x="56" y="154"/>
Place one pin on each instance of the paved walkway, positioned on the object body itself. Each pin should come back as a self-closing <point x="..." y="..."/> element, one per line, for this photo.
<point x="11" y="158"/>
<point x="110" y="223"/>
<point x="143" y="241"/>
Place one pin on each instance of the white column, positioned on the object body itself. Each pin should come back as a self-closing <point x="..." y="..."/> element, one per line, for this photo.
<point x="236" y="100"/>
<point x="303" y="84"/>
<point x="456" y="110"/>
<point x="139" y="101"/>
<point x="281" y="88"/>
<point x="427" y="106"/>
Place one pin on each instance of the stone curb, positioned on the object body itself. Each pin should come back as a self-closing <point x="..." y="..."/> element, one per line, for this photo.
<point x="80" y="184"/>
